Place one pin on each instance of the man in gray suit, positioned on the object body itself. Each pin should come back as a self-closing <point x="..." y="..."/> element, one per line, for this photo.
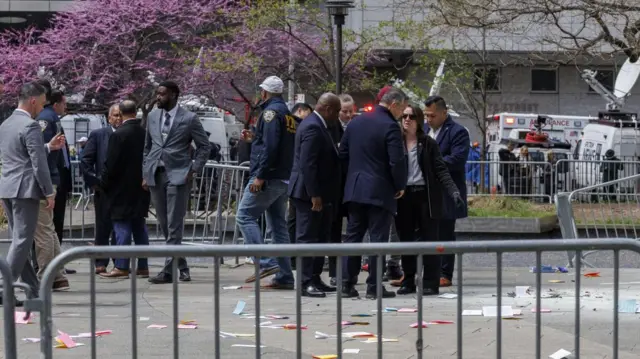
<point x="25" y="179"/>
<point x="168" y="168"/>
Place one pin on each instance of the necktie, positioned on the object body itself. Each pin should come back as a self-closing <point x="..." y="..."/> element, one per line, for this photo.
<point x="167" y="123"/>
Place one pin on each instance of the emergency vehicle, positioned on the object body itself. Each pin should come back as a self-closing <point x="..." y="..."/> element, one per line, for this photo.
<point x="516" y="126"/>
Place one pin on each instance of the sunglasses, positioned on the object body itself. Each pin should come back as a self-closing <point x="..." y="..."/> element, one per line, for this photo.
<point x="405" y="116"/>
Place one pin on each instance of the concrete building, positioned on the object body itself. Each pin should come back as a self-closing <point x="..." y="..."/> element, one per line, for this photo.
<point x="18" y="14"/>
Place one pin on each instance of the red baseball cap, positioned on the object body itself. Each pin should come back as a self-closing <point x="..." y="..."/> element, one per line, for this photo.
<point x="381" y="93"/>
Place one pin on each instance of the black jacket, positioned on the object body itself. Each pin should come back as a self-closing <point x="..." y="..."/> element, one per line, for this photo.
<point x="436" y="175"/>
<point x="121" y="178"/>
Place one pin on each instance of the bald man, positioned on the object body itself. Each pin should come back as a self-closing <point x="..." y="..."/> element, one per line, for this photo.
<point x="314" y="187"/>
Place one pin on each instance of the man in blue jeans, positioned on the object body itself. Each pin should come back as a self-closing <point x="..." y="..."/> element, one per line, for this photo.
<point x="266" y="191"/>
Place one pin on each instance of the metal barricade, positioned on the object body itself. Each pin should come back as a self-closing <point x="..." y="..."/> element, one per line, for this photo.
<point x="609" y="209"/>
<point x="571" y="175"/>
<point x="10" y="350"/>
<point x="423" y="349"/>
<point x="520" y="179"/>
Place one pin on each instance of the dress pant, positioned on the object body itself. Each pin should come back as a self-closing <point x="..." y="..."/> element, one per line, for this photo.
<point x="312" y="227"/>
<point x="340" y="212"/>
<point x="377" y="221"/>
<point x="60" y="205"/>
<point x="447" y="233"/>
<point x="413" y="223"/>
<point x="47" y="245"/>
<point x="125" y="230"/>
<point x="104" y="226"/>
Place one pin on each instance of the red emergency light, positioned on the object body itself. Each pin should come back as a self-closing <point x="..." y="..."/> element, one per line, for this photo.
<point x="368" y="108"/>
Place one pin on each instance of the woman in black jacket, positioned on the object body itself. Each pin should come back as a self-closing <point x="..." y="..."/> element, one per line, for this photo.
<point x="422" y="202"/>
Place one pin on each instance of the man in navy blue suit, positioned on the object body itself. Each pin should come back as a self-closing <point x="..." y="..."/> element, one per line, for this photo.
<point x="453" y="140"/>
<point x="314" y="188"/>
<point x="92" y="164"/>
<point x="376" y="177"/>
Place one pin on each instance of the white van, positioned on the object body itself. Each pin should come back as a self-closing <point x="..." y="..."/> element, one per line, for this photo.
<point x="80" y="125"/>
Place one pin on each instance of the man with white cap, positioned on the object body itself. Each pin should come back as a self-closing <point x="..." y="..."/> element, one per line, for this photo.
<point x="266" y="191"/>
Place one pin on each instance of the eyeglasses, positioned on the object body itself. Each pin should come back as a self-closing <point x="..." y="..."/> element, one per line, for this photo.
<point x="405" y="116"/>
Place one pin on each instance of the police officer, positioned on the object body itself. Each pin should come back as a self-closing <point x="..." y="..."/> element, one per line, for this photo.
<point x="271" y="161"/>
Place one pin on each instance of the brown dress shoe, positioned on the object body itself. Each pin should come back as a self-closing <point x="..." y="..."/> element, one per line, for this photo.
<point x="142" y="273"/>
<point x="444" y="282"/>
<point x="396" y="282"/>
<point x="100" y="270"/>
<point x="116" y="273"/>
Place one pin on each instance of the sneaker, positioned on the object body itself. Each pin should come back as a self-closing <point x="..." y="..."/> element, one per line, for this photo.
<point x="61" y="285"/>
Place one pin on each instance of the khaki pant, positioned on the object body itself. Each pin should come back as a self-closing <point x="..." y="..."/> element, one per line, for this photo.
<point x="46" y="239"/>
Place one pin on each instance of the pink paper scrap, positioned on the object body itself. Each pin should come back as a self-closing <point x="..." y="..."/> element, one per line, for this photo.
<point x="407" y="310"/>
<point x="156" y="326"/>
<point x="187" y="326"/>
<point x="66" y="339"/>
<point x="415" y="325"/>
<point x="434" y="322"/>
<point x="543" y="310"/>
<point x="99" y="333"/>
<point x="20" y="318"/>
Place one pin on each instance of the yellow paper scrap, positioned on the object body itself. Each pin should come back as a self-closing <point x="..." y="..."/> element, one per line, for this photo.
<point x="329" y="356"/>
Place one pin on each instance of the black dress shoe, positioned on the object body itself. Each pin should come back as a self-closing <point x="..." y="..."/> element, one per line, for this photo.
<point x="348" y="291"/>
<point x="70" y="271"/>
<point x="393" y="273"/>
<point x="323" y="286"/>
<point x="333" y="282"/>
<point x="373" y="294"/>
<point x="430" y="291"/>
<point x="161" y="278"/>
<point x="185" y="276"/>
<point x="313" y="292"/>
<point x="406" y="289"/>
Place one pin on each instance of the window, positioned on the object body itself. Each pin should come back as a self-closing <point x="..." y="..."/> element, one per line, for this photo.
<point x="544" y="80"/>
<point x="488" y="78"/>
<point x="606" y="78"/>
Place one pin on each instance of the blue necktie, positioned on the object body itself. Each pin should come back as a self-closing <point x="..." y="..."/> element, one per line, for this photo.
<point x="166" y="126"/>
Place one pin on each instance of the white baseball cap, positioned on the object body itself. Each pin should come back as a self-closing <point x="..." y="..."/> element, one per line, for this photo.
<point x="272" y="84"/>
<point x="83" y="139"/>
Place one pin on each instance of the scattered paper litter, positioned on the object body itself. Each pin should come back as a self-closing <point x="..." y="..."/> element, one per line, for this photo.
<point x="542" y="310"/>
<point x="492" y="311"/>
<point x="99" y="333"/>
<point x="239" y="307"/>
<point x="187" y="326"/>
<point x="31" y="340"/>
<point x="144" y="319"/>
<point x="388" y="309"/>
<point x="237" y="335"/>
<point x="22" y="318"/>
<point x="321" y="335"/>
<point x="556" y="281"/>
<point x="327" y="356"/>
<point x="358" y="335"/>
<point x="522" y="292"/>
<point x="351" y="351"/>
<point x="560" y="354"/>
<point x="407" y="310"/>
<point x="247" y="346"/>
<point x="436" y="322"/>
<point x="156" y="326"/>
<point x="448" y="296"/>
<point x="232" y="287"/>
<point x="361" y="315"/>
<point x="384" y="340"/>
<point x="627" y="306"/>
<point x="416" y="325"/>
<point x="65" y="341"/>
<point x="592" y="274"/>
<point x="346" y="323"/>
<point x="472" y="312"/>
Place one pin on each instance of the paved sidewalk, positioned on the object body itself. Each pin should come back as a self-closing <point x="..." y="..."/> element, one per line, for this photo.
<point x="71" y="315"/>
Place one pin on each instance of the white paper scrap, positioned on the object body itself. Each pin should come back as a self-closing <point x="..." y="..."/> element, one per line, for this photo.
<point x="232" y="287"/>
<point x="448" y="296"/>
<point x="351" y="351"/>
<point x="321" y="335"/>
<point x="492" y="311"/>
<point x="560" y="354"/>
<point x="522" y="292"/>
<point x="472" y="312"/>
<point x="31" y="340"/>
<point x="144" y="319"/>
<point x="247" y="346"/>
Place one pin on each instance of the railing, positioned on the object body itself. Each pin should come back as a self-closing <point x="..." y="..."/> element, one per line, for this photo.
<point x="610" y="209"/>
<point x="429" y="250"/>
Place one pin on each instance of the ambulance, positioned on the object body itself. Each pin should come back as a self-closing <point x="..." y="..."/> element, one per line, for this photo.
<point x="516" y="126"/>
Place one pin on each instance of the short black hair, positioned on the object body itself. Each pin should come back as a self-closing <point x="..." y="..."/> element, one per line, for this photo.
<point x="301" y="106"/>
<point x="47" y="86"/>
<point x="31" y="89"/>
<point x="56" y="96"/>
<point x="440" y="103"/>
<point x="128" y="108"/>
<point x="171" y="86"/>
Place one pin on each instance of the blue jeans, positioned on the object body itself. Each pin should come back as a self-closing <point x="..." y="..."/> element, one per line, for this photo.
<point x="272" y="200"/>
<point x="124" y="230"/>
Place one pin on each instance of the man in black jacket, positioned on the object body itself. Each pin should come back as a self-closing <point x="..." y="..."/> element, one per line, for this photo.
<point x="121" y="182"/>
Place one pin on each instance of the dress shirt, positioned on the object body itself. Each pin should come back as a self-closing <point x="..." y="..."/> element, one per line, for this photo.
<point x="434" y="134"/>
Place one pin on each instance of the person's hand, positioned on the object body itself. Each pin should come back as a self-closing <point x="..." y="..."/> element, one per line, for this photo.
<point x="256" y="186"/>
<point x="316" y="204"/>
<point x="57" y="142"/>
<point x="457" y="199"/>
<point x="144" y="185"/>
<point x="399" y="194"/>
<point x="51" y="201"/>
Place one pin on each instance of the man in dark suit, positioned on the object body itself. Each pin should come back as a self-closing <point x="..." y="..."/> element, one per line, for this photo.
<point x="92" y="165"/>
<point x="314" y="187"/>
<point x="121" y="183"/>
<point x="453" y="140"/>
<point x="59" y="161"/>
<point x="376" y="177"/>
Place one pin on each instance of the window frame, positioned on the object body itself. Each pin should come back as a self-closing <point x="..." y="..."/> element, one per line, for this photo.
<point x="557" y="72"/>
<point x="489" y="68"/>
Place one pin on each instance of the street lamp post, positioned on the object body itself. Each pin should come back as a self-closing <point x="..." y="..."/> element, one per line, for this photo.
<point x="339" y="10"/>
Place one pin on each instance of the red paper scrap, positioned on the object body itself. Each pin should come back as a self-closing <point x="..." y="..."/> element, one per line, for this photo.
<point x="592" y="274"/>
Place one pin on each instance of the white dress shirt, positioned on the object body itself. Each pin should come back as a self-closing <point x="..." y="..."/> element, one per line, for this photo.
<point x="434" y="134"/>
<point x="321" y="119"/>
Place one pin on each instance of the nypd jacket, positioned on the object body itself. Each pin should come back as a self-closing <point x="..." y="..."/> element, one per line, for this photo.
<point x="50" y="124"/>
<point x="272" y="147"/>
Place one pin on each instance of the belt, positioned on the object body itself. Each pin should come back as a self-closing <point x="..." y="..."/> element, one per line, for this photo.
<point x="160" y="169"/>
<point x="419" y="188"/>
